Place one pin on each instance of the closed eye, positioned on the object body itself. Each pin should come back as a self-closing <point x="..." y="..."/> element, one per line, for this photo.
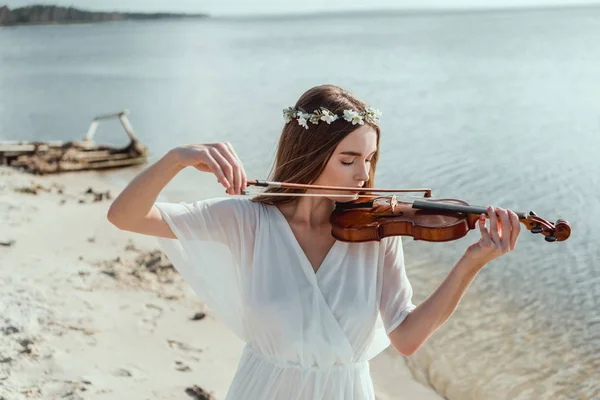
<point x="352" y="162"/>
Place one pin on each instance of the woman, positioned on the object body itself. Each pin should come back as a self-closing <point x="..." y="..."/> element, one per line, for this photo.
<point x="311" y="309"/>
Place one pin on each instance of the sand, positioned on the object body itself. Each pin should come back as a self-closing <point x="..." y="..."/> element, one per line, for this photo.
<point x="92" y="312"/>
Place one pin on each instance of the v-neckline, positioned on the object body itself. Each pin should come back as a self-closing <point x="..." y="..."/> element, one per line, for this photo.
<point x="308" y="267"/>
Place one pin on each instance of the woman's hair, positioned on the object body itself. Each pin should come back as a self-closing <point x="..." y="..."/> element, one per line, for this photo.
<point x="302" y="154"/>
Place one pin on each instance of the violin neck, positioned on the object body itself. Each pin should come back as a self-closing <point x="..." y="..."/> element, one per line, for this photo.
<point x="441" y="206"/>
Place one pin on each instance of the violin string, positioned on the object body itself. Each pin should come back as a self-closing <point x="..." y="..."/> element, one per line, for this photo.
<point x="298" y="194"/>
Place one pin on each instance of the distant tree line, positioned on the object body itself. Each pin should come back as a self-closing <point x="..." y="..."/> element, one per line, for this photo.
<point x="41" y="14"/>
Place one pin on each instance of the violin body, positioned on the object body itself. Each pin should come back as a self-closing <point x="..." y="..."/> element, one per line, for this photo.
<point x="381" y="218"/>
<point x="440" y="220"/>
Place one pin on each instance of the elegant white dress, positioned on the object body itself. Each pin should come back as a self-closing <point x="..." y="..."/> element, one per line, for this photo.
<point x="308" y="335"/>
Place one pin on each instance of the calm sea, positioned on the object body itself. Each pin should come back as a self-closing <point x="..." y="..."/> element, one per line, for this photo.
<point x="497" y="108"/>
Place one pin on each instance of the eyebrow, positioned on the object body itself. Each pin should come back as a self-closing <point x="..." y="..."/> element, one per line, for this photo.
<point x="354" y="153"/>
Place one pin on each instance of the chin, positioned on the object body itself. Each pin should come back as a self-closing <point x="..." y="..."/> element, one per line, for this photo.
<point x="341" y="199"/>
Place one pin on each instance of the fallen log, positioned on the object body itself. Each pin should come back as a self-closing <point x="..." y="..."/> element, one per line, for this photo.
<point x="55" y="157"/>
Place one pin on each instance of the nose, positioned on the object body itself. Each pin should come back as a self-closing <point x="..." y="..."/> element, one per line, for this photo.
<point x="363" y="175"/>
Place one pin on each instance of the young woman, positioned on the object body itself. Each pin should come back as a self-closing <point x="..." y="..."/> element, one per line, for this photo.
<point x="312" y="310"/>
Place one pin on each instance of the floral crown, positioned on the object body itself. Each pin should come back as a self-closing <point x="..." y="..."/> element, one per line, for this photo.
<point x="370" y="115"/>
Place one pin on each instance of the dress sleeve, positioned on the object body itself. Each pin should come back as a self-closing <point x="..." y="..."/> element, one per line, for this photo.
<point x="215" y="242"/>
<point x="396" y="292"/>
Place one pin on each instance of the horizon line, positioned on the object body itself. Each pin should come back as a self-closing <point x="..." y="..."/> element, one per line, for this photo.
<point x="412" y="11"/>
<point x="347" y="12"/>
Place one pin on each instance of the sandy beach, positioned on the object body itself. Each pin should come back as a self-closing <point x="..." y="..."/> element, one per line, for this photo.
<point x="91" y="312"/>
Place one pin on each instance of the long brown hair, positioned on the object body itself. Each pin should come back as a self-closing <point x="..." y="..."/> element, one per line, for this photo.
<point x="302" y="154"/>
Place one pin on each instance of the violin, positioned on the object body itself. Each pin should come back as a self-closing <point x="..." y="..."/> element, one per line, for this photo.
<point x="372" y="217"/>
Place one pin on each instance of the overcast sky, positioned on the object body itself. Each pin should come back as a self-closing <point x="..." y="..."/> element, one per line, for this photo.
<point x="245" y="7"/>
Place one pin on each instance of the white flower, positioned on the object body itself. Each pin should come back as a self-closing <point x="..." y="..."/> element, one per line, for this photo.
<point x="328" y="116"/>
<point x="372" y="115"/>
<point x="303" y="119"/>
<point x="288" y="114"/>
<point x="314" y="118"/>
<point x="356" y="118"/>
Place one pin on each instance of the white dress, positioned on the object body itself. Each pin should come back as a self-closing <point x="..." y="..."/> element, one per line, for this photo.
<point x="308" y="335"/>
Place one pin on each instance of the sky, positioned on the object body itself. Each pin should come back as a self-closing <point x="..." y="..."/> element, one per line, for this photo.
<point x="262" y="7"/>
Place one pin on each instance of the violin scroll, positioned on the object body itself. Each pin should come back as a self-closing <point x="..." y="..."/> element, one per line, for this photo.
<point x="557" y="232"/>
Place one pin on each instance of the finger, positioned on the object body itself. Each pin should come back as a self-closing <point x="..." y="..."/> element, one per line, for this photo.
<point x="226" y="167"/>
<point x="237" y="173"/>
<point x="229" y="154"/>
<point x="505" y="228"/>
<point x="485" y="235"/>
<point x="494" y="226"/>
<point x="212" y="164"/>
<point x="516" y="229"/>
<point x="244" y="179"/>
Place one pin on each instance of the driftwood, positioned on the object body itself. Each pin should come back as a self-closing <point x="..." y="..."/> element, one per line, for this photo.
<point x="54" y="157"/>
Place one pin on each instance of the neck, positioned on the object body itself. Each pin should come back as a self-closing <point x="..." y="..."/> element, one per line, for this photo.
<point x="309" y="212"/>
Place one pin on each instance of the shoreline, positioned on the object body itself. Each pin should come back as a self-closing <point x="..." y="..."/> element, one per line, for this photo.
<point x="93" y="312"/>
<point x="83" y="22"/>
<point x="59" y="15"/>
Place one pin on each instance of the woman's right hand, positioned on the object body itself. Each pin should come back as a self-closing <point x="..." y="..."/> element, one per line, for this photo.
<point x="218" y="158"/>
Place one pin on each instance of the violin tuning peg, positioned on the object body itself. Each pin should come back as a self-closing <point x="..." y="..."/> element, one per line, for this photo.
<point x="550" y="238"/>
<point x="532" y="214"/>
<point x="536" y="229"/>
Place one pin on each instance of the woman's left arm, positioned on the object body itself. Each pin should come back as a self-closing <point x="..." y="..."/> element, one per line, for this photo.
<point x="426" y="318"/>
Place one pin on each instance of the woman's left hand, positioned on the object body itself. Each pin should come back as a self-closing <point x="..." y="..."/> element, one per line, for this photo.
<point x="499" y="240"/>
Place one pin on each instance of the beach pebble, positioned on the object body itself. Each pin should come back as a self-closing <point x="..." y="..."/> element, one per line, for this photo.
<point x="122" y="372"/>
<point x="181" y="367"/>
<point x="198" y="316"/>
<point x="197" y="393"/>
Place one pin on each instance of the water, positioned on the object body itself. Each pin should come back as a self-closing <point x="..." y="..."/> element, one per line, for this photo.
<point x="495" y="108"/>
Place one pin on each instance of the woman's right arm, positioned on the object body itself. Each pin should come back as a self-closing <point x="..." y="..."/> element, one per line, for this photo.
<point x="133" y="210"/>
